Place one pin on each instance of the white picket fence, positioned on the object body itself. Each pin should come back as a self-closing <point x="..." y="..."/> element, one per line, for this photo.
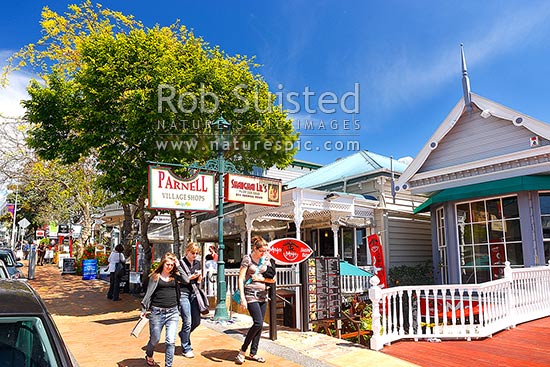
<point x="459" y="311"/>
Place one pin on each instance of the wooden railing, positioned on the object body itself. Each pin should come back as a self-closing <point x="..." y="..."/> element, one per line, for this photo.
<point x="459" y="311"/>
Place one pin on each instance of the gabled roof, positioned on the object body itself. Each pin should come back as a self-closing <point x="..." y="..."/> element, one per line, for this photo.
<point x="351" y="166"/>
<point x="490" y="108"/>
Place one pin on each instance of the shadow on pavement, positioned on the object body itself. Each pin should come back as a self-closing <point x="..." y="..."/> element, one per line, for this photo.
<point x="220" y="355"/>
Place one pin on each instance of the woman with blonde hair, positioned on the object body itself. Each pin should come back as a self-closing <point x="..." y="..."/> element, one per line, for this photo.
<point x="252" y="284"/>
<point x="191" y="275"/>
<point x="161" y="302"/>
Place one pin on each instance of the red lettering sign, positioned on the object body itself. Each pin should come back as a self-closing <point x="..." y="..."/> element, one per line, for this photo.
<point x="288" y="251"/>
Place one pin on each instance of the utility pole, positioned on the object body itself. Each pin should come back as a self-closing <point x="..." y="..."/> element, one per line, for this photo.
<point x="14" y="228"/>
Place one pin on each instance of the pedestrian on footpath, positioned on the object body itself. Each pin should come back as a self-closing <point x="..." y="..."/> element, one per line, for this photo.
<point x="191" y="274"/>
<point x="252" y="285"/>
<point x="114" y="281"/>
<point x="41" y="251"/>
<point x="161" y="304"/>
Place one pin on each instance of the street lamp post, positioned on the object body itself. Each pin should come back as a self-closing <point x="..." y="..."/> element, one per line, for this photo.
<point x="220" y="313"/>
<point x="221" y="166"/>
<point x="14" y="217"/>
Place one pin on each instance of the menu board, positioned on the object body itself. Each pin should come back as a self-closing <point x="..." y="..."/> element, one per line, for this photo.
<point x="324" y="292"/>
<point x="69" y="265"/>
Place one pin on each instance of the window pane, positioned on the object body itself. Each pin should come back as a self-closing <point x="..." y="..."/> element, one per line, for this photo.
<point x="468" y="276"/>
<point x="465" y="234"/>
<point x="545" y="203"/>
<point x="493" y="209"/>
<point x="480" y="233"/>
<point x="510" y="207"/>
<point x="468" y="255"/>
<point x="478" y="211"/>
<point x="483" y="275"/>
<point x="463" y="213"/>
<point x="546" y="227"/>
<point x="482" y="256"/>
<point x="515" y="253"/>
<point x="512" y="230"/>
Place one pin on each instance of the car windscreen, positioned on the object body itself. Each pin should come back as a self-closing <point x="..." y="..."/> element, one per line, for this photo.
<point x="24" y="342"/>
<point x="7" y="259"/>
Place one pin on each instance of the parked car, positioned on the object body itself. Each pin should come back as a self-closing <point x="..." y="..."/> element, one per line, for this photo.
<point x="11" y="264"/>
<point x="28" y="335"/>
<point x="4" y="274"/>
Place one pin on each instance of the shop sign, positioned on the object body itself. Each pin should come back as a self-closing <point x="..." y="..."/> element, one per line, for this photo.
<point x="252" y="190"/>
<point x="288" y="251"/>
<point x="377" y="254"/>
<point x="168" y="191"/>
<point x="40" y="233"/>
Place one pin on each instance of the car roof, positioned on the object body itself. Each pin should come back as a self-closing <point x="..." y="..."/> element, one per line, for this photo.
<point x="19" y="298"/>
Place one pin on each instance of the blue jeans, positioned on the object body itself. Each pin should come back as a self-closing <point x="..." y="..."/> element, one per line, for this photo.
<point x="191" y="318"/>
<point x="159" y="318"/>
<point x="257" y="310"/>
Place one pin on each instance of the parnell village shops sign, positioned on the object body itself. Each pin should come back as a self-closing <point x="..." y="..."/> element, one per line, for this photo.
<point x="167" y="191"/>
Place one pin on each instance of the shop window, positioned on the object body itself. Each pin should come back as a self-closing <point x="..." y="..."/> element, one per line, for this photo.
<point x="545" y="223"/>
<point x="442" y="246"/>
<point x="489" y="234"/>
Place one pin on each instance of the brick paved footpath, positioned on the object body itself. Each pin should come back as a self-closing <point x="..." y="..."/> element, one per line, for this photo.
<point x="97" y="331"/>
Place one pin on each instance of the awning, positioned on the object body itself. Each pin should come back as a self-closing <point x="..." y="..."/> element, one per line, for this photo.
<point x="498" y="187"/>
<point x="349" y="269"/>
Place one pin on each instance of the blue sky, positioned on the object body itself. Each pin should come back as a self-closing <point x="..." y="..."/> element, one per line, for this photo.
<point x="403" y="55"/>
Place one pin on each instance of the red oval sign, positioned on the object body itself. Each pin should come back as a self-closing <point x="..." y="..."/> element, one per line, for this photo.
<point x="288" y="251"/>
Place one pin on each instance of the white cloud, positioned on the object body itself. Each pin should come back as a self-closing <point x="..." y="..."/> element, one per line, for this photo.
<point x="14" y="92"/>
<point x="411" y="76"/>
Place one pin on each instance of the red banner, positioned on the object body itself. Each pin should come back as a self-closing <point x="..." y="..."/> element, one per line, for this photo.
<point x="377" y="254"/>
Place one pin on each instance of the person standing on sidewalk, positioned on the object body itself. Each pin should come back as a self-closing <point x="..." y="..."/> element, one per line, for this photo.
<point x="190" y="270"/>
<point x="252" y="285"/>
<point x="161" y="302"/>
<point x="114" y="282"/>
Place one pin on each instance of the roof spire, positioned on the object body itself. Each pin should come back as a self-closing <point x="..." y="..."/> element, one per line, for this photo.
<point x="465" y="81"/>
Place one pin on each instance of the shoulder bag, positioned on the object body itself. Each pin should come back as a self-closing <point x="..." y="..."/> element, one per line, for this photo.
<point x="119" y="268"/>
<point x="202" y="299"/>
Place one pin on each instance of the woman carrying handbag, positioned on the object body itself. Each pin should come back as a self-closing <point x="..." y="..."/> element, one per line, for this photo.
<point x="114" y="281"/>
<point x="252" y="284"/>
<point x="191" y="276"/>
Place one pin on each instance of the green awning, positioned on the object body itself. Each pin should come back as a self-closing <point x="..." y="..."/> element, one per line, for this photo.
<point x="498" y="187"/>
<point x="349" y="269"/>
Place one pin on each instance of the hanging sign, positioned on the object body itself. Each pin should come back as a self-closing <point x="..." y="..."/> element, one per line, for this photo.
<point x="253" y="190"/>
<point x="167" y="191"/>
<point x="287" y="251"/>
<point x="377" y="254"/>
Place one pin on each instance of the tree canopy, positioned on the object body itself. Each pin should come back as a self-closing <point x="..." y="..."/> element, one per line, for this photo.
<point x="126" y="94"/>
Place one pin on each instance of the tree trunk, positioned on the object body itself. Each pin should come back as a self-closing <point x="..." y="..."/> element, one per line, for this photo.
<point x="127" y="235"/>
<point x="145" y="218"/>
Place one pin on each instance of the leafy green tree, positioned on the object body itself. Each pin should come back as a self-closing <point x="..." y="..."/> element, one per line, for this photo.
<point x="119" y="91"/>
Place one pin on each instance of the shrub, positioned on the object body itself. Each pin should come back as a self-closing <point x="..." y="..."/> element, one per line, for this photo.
<point x="421" y="274"/>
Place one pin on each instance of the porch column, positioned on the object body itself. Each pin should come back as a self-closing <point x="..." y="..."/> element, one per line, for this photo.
<point x="335" y="227"/>
<point x="248" y="222"/>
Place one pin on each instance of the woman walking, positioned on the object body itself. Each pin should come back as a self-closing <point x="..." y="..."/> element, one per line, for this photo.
<point x="252" y="285"/>
<point x="161" y="301"/>
<point x="190" y="270"/>
<point x="114" y="282"/>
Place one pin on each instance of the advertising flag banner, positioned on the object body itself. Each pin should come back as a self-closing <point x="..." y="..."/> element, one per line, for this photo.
<point x="377" y="254"/>
<point x="167" y="191"/>
<point x="11" y="208"/>
<point x="253" y="190"/>
<point x="53" y="228"/>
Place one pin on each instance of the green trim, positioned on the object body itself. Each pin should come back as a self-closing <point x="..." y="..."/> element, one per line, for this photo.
<point x="304" y="164"/>
<point x="505" y="186"/>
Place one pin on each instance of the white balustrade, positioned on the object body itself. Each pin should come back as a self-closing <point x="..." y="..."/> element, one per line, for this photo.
<point x="459" y="310"/>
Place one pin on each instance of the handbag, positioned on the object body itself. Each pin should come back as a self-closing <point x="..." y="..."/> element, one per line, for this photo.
<point x="236" y="296"/>
<point x="139" y="326"/>
<point x="200" y="294"/>
<point x="119" y="268"/>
